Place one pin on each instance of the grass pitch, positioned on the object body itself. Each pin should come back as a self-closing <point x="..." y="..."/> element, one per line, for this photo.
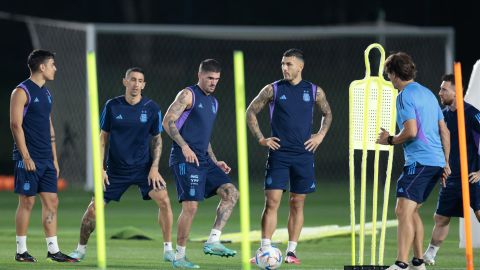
<point x="329" y="205"/>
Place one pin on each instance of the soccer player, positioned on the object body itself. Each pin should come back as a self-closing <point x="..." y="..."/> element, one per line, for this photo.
<point x="198" y="174"/>
<point x="291" y="145"/>
<point x="34" y="152"/>
<point x="128" y="124"/>
<point x="450" y="202"/>
<point x="426" y="143"/>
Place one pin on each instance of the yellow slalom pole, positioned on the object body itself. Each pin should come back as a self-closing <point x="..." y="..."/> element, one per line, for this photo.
<point x="351" y="163"/>
<point x="363" y="180"/>
<point x="462" y="142"/>
<point x="242" y="154"/>
<point x="386" y="191"/>
<point x="97" y="163"/>
<point x="375" y="179"/>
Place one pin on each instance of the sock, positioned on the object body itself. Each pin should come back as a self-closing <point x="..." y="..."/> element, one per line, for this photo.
<point x="417" y="261"/>
<point x="82" y="248"/>
<point x="432" y="250"/>
<point x="21" y="244"/>
<point x="214" y="236"/>
<point x="401" y="264"/>
<point x="52" y="244"/>
<point x="291" y="246"/>
<point x="167" y="246"/>
<point x="180" y="252"/>
<point x="266" y="242"/>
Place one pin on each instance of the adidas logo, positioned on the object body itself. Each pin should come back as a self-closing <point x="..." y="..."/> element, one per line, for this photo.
<point x="400" y="190"/>
<point x="313" y="185"/>
<point x="119" y="117"/>
<point x="200" y="105"/>
<point x="36" y="100"/>
<point x="283" y="97"/>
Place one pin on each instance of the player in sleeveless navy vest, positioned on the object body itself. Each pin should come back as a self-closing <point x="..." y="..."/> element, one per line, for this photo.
<point x="34" y="152"/>
<point x="198" y="174"/>
<point x="131" y="125"/>
<point x="290" y="164"/>
<point x="426" y="143"/>
<point x="450" y="202"/>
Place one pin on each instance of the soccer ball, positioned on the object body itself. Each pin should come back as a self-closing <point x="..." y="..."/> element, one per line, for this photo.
<point x="268" y="258"/>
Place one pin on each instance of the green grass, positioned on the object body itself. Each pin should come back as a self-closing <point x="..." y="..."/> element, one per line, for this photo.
<point x="329" y="205"/>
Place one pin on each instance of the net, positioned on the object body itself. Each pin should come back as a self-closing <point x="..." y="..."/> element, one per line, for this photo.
<point x="170" y="56"/>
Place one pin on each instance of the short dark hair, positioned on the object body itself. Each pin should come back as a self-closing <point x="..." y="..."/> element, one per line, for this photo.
<point x="38" y="57"/>
<point x="402" y="65"/>
<point x="134" y="69"/>
<point x="210" y="65"/>
<point x="449" y="78"/>
<point x="294" y="52"/>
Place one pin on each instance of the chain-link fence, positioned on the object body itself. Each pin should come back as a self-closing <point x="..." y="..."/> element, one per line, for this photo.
<point x="170" y="57"/>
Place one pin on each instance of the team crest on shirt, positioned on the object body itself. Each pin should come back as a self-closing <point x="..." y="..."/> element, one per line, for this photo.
<point x="306" y="96"/>
<point x="214" y="109"/>
<point x="143" y="117"/>
<point x="49" y="99"/>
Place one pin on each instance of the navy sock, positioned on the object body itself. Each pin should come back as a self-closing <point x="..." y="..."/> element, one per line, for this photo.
<point x="417" y="261"/>
<point x="401" y="264"/>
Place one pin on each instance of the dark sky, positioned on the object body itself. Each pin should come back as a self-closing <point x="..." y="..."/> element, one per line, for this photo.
<point x="16" y="43"/>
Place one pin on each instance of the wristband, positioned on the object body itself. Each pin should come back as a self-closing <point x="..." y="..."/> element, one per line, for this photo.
<point x="390" y="140"/>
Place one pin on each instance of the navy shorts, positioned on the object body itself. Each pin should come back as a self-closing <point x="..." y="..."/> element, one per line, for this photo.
<point x="43" y="179"/>
<point x="121" y="180"/>
<point x="450" y="202"/>
<point x="417" y="181"/>
<point x="296" y="168"/>
<point x="198" y="183"/>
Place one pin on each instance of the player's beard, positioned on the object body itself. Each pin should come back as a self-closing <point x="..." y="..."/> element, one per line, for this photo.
<point x="447" y="103"/>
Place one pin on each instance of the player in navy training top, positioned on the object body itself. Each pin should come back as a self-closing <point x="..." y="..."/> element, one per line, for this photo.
<point x="198" y="174"/>
<point x="450" y="202"/>
<point x="131" y="125"/>
<point x="34" y="152"/>
<point x="426" y="144"/>
<point x="291" y="145"/>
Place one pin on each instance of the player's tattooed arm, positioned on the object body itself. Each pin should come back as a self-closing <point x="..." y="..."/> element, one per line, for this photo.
<point x="265" y="96"/>
<point x="182" y="102"/>
<point x="211" y="154"/>
<point x="221" y="164"/>
<point x="156" y="149"/>
<point x="322" y="104"/>
<point x="321" y="100"/>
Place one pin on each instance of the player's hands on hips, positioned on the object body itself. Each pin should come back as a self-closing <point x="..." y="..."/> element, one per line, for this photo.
<point x="271" y="142"/>
<point x="189" y="155"/>
<point x="383" y="137"/>
<point x="156" y="180"/>
<point x="57" y="168"/>
<point x="446" y="173"/>
<point x="474" y="177"/>
<point x="225" y="168"/>
<point x="105" y="180"/>
<point x="29" y="165"/>
<point x="314" y="141"/>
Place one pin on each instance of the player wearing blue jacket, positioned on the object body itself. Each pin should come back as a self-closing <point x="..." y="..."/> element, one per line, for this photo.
<point x="426" y="146"/>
